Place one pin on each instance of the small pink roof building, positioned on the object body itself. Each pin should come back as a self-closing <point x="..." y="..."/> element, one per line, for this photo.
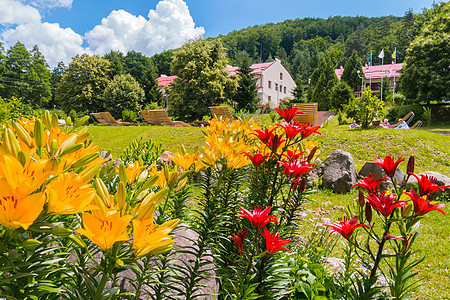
<point x="373" y="75"/>
<point x="274" y="81"/>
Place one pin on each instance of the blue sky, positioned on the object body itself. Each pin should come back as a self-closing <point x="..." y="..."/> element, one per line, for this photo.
<point x="63" y="28"/>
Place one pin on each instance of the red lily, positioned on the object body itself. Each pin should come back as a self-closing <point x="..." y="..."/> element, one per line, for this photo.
<point x="258" y="218"/>
<point x="422" y="206"/>
<point x="385" y="203"/>
<point x="345" y="228"/>
<point x="264" y="136"/>
<point x="239" y="240"/>
<point x="273" y="244"/>
<point x="291" y="156"/>
<point x="427" y="185"/>
<point x="388" y="165"/>
<point x="288" y="113"/>
<point x="370" y="184"/>
<point x="275" y="142"/>
<point x="295" y="168"/>
<point x="291" y="130"/>
<point x="306" y="131"/>
<point x="256" y="159"/>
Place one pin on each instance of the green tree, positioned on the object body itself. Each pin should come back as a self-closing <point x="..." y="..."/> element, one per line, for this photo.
<point x="202" y="80"/>
<point x="123" y="93"/>
<point x="40" y="93"/>
<point x="426" y="72"/>
<point x="163" y="62"/>
<point x="25" y="75"/>
<point x="350" y="74"/>
<point x="55" y="79"/>
<point x="2" y="64"/>
<point x="341" y="94"/>
<point x="143" y="70"/>
<point x="325" y="84"/>
<point x="117" y="62"/>
<point x="364" y="109"/>
<point x="246" y="93"/>
<point x="83" y="84"/>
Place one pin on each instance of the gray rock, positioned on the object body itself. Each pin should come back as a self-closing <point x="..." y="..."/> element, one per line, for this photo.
<point x="166" y="158"/>
<point x="315" y="174"/>
<point x="339" y="173"/>
<point x="370" y="168"/>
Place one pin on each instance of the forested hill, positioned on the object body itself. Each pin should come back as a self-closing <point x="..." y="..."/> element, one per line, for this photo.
<point x="300" y="43"/>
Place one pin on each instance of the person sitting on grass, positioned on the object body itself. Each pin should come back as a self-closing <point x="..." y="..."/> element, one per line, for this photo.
<point x="354" y="125"/>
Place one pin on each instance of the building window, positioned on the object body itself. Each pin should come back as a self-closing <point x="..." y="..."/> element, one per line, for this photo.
<point x="281" y="88"/>
<point x="276" y="86"/>
<point x="270" y="98"/>
<point x="270" y="84"/>
<point x="285" y="90"/>
<point x="281" y="76"/>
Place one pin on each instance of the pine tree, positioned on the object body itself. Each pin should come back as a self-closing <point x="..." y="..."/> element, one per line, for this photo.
<point x="350" y="74"/>
<point x="325" y="84"/>
<point x="246" y="94"/>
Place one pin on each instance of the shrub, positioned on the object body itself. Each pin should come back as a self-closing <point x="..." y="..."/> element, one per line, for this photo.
<point x="152" y="105"/>
<point x="364" y="109"/>
<point x="342" y="93"/>
<point x="427" y="115"/>
<point x="12" y="109"/>
<point x="398" y="112"/>
<point x="129" y="116"/>
<point x="123" y="93"/>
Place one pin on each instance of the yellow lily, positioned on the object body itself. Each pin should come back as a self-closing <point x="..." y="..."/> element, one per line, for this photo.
<point x="133" y="171"/>
<point x="18" y="211"/>
<point x="23" y="180"/>
<point x="68" y="194"/>
<point x="104" y="233"/>
<point x="148" y="236"/>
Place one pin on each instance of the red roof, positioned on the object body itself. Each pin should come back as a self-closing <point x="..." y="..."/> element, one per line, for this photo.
<point x="377" y="72"/>
<point x="164" y="80"/>
<point x="257" y="69"/>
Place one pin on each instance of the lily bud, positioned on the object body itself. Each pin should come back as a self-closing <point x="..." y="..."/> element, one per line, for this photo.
<point x="121" y="195"/>
<point x="181" y="184"/>
<point x="77" y="240"/>
<point x="368" y="212"/>
<point x="83" y="135"/>
<point x="85" y="160"/>
<point x="311" y="154"/>
<point x="66" y="144"/>
<point x="30" y="244"/>
<point x="410" y="166"/>
<point x="22" y="158"/>
<point x="406" y="210"/>
<point x="61" y="231"/>
<point x="10" y="143"/>
<point x="102" y="191"/>
<point x="54" y="120"/>
<point x="361" y="199"/>
<point x="82" y="121"/>
<point x="47" y="119"/>
<point x="302" y="185"/>
<point x="38" y="133"/>
<point x="53" y="147"/>
<point x="161" y="250"/>
<point x="23" y="135"/>
<point x="123" y="173"/>
<point x="118" y="263"/>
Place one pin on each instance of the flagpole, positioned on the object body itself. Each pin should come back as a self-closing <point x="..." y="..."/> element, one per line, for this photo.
<point x="395" y="61"/>
<point x="382" y="62"/>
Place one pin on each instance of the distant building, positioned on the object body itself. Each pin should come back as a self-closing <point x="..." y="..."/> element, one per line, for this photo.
<point x="373" y="76"/>
<point x="274" y="81"/>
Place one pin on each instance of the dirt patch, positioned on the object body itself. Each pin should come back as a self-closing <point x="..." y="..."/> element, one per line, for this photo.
<point x="443" y="132"/>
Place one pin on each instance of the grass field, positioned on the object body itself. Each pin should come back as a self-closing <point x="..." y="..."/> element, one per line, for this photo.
<point x="432" y="152"/>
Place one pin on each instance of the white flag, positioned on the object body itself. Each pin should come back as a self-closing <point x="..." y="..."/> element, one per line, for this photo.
<point x="381" y="55"/>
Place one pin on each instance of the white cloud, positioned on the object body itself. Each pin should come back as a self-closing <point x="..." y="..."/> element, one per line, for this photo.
<point x="56" y="43"/>
<point x="52" y="3"/>
<point x="14" y="12"/>
<point x="168" y="26"/>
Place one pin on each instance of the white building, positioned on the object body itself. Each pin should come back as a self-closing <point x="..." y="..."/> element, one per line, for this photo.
<point x="274" y="81"/>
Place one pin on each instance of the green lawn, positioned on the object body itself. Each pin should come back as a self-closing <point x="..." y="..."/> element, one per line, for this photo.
<point x="432" y="152"/>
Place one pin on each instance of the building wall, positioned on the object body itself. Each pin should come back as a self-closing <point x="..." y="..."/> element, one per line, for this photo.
<point x="276" y="83"/>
